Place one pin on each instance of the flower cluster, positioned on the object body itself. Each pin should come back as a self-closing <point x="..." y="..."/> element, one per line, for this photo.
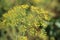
<point x="23" y="22"/>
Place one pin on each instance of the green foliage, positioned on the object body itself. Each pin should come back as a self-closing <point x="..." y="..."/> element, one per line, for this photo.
<point x="57" y="23"/>
<point x="23" y="23"/>
<point x="7" y="4"/>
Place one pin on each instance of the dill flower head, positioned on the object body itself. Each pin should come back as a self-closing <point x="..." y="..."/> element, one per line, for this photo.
<point x="24" y="22"/>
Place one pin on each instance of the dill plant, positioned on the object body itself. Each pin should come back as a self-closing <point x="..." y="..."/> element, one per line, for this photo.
<point x="24" y="23"/>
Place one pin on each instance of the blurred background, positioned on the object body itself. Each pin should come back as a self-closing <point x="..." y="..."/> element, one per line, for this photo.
<point x="53" y="29"/>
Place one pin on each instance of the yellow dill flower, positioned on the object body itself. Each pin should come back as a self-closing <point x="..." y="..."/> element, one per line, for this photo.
<point x="46" y="17"/>
<point x="36" y="13"/>
<point x="22" y="38"/>
<point x="24" y="6"/>
<point x="42" y="34"/>
<point x="27" y="19"/>
<point x="34" y="8"/>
